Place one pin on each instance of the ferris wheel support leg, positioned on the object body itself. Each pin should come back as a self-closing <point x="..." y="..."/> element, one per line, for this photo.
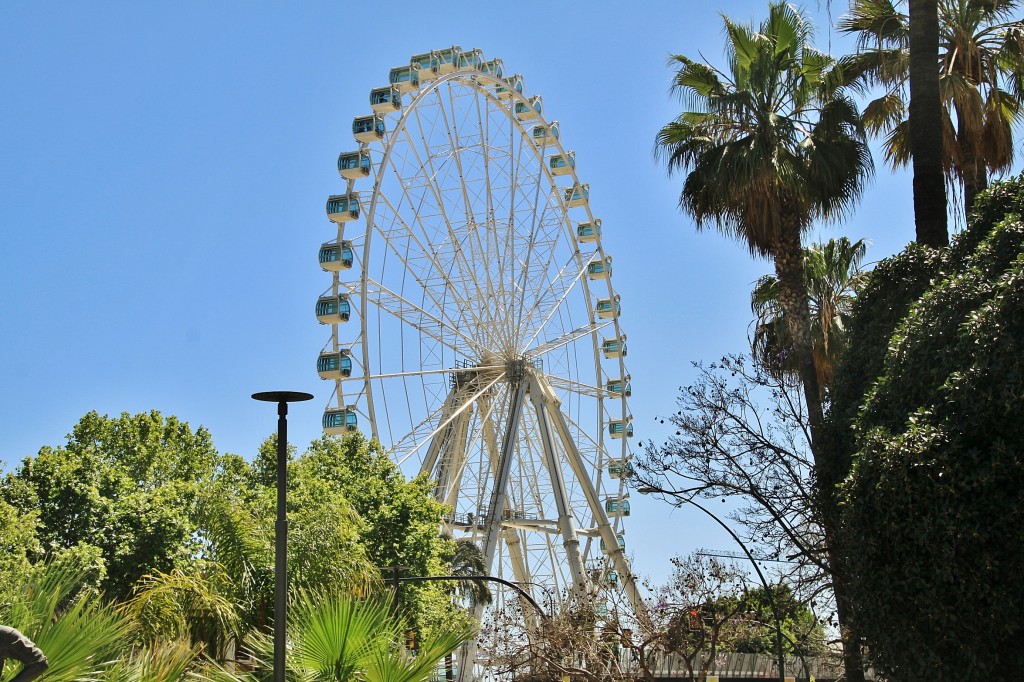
<point x="566" y="524"/>
<point x="447" y="452"/>
<point x="496" y="510"/>
<point x="617" y="554"/>
<point x="438" y="441"/>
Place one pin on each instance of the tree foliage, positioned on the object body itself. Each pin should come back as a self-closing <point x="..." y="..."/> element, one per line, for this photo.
<point x="127" y="486"/>
<point x="183" y="537"/>
<point x="980" y="65"/>
<point x="832" y="272"/>
<point x="933" y="520"/>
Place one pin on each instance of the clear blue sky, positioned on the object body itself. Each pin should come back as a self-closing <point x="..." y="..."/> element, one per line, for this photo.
<point x="163" y="170"/>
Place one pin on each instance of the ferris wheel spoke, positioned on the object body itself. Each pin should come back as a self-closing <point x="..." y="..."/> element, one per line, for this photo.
<point x="432" y="276"/>
<point x="430" y="173"/>
<point x="567" y="338"/>
<point x="415" y="316"/>
<point x="550" y="300"/>
<point x="568" y="385"/>
<point x="477" y="201"/>
<point x="426" y="430"/>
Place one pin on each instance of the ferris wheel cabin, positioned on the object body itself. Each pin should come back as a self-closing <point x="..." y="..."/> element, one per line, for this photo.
<point x="368" y="128"/>
<point x="407" y="78"/>
<point x="342" y="208"/>
<point x="608" y="308"/>
<point x="471" y="59"/>
<point x="617" y="506"/>
<point x="600" y="268"/>
<point x="333" y="309"/>
<point x="446" y="61"/>
<point x="334" y="364"/>
<point x="618" y="468"/>
<point x="339" y="421"/>
<point x="335" y="256"/>
<point x="494" y="67"/>
<point x="619" y="387"/>
<point x="386" y="99"/>
<point x="614" y="347"/>
<point x="621" y="428"/>
<point x="542" y="135"/>
<point x="589" y="232"/>
<point x="353" y="165"/>
<point x="562" y="164"/>
<point x="529" y="110"/>
<point x="622" y="543"/>
<point x="514" y="82"/>
<point x="577" y="195"/>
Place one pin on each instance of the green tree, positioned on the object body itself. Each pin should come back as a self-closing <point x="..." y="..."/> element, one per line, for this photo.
<point x="400" y="518"/>
<point x="832" y="272"/>
<point x="769" y="147"/>
<point x="19" y="544"/>
<point x="125" y="485"/>
<point x="930" y="397"/>
<point x="980" y="65"/>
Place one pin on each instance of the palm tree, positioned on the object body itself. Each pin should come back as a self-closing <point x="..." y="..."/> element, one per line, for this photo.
<point x="833" y="275"/>
<point x="925" y="112"/>
<point x="770" y="146"/>
<point x="334" y="637"/>
<point x="979" y="66"/>
<point x="80" y="634"/>
<point x="186" y="606"/>
<point x="468" y="561"/>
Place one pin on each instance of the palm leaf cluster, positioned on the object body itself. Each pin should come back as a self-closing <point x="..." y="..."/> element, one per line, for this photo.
<point x="981" y="66"/>
<point x="771" y="144"/>
<point x="338" y="638"/>
<point x="832" y="272"/>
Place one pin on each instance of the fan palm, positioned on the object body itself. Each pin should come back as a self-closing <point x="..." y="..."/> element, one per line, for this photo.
<point x="79" y="633"/>
<point x="769" y="147"/>
<point x="833" y="275"/>
<point x="469" y="561"/>
<point x="337" y="638"/>
<point x="980" y="70"/>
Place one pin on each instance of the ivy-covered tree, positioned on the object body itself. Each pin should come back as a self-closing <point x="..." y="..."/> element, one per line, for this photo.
<point x="930" y="397"/>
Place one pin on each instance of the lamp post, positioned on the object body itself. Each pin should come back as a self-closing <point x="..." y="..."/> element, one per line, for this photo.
<point x="779" y="651"/>
<point x="282" y="398"/>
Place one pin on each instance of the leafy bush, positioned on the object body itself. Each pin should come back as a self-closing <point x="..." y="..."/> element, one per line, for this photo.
<point x="933" y="525"/>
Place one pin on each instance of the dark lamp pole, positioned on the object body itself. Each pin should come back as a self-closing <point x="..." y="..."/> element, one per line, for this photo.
<point x="282" y="398"/>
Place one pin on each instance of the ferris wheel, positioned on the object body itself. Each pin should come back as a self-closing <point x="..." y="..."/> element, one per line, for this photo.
<point x="474" y="326"/>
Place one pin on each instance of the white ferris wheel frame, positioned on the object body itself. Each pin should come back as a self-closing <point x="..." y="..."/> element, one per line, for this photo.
<point x="529" y="387"/>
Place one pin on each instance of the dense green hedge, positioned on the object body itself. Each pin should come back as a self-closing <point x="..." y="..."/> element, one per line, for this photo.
<point x="929" y="405"/>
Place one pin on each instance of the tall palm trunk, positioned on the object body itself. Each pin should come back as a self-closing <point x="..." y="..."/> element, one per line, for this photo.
<point x="972" y="171"/>
<point x="789" y="268"/>
<point x="926" y="125"/>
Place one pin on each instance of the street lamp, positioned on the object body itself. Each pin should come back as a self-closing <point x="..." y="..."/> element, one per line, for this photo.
<point x="282" y="398"/>
<point x="779" y="652"/>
